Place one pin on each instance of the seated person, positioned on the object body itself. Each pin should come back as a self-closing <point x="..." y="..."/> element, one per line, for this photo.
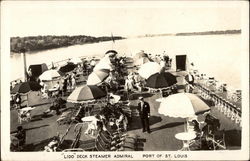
<point x="21" y="136"/>
<point x="92" y="127"/>
<point x="196" y="126"/>
<point x="57" y="104"/>
<point x="53" y="145"/>
<point x="212" y="125"/>
<point x="24" y="115"/>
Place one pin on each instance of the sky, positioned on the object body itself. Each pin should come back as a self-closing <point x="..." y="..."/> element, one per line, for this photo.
<point x="121" y="18"/>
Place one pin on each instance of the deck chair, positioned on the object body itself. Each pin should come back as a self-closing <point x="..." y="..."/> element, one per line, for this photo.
<point x="74" y="150"/>
<point x="100" y="146"/>
<point x="88" y="145"/>
<point x="216" y="140"/>
<point x="197" y="142"/>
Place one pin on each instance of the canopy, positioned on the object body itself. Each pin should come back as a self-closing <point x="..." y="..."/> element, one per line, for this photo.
<point x="25" y="87"/>
<point x="148" y="69"/>
<point x="37" y="69"/>
<point x="85" y="93"/>
<point x="161" y="80"/>
<point x="49" y="75"/>
<point x="97" y="76"/>
<point x="182" y="105"/>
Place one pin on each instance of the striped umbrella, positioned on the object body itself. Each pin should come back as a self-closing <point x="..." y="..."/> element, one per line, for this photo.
<point x="86" y="93"/>
<point x="97" y="76"/>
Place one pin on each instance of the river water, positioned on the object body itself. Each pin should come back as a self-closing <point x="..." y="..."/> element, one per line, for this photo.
<point x="218" y="56"/>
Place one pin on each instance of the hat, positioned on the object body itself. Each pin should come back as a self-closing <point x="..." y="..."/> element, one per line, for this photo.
<point x="140" y="98"/>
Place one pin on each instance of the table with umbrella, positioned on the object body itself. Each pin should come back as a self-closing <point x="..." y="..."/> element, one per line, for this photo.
<point x="86" y="94"/>
<point x="50" y="78"/>
<point x="184" y="105"/>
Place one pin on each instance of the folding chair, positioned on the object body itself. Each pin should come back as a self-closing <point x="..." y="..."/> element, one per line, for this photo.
<point x="216" y="141"/>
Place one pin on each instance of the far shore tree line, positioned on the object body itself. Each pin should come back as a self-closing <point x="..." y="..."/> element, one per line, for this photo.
<point x="36" y="43"/>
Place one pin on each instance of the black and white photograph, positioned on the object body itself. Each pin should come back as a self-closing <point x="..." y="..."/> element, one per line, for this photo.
<point x="108" y="80"/>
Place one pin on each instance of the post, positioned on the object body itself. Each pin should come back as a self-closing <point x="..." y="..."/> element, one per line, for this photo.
<point x="24" y="64"/>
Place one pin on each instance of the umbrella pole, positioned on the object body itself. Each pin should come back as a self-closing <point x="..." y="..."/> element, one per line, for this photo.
<point x="185" y="127"/>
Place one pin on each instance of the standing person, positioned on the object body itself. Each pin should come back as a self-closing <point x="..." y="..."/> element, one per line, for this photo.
<point x="129" y="85"/>
<point x="18" y="101"/>
<point x="190" y="82"/>
<point x="65" y="85"/>
<point x="144" y="112"/>
<point x="21" y="136"/>
<point x="73" y="81"/>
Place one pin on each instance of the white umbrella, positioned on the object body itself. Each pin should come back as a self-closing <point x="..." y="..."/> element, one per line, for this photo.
<point x="182" y="105"/>
<point x="141" y="61"/>
<point x="49" y="75"/>
<point x="75" y="60"/>
<point x="100" y="66"/>
<point x="148" y="69"/>
<point x="104" y="63"/>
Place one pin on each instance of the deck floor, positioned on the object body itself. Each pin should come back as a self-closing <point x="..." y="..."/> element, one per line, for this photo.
<point x="40" y="130"/>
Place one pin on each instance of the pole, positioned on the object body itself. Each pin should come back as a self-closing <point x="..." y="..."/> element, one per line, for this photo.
<point x="24" y="64"/>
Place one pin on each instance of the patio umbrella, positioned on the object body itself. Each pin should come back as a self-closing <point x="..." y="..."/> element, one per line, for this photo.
<point x="26" y="87"/>
<point x="67" y="68"/>
<point x="104" y="63"/>
<point x="141" y="61"/>
<point x="161" y="80"/>
<point x="184" y="105"/>
<point x="111" y="53"/>
<point x="75" y="60"/>
<point x="97" y="76"/>
<point x="49" y="75"/>
<point x="86" y="93"/>
<point x="148" y="69"/>
<point x="139" y="55"/>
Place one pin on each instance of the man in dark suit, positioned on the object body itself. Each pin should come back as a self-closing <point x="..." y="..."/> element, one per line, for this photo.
<point x="144" y="111"/>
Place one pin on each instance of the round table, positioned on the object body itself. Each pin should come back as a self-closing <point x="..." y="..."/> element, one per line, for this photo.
<point x="185" y="137"/>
